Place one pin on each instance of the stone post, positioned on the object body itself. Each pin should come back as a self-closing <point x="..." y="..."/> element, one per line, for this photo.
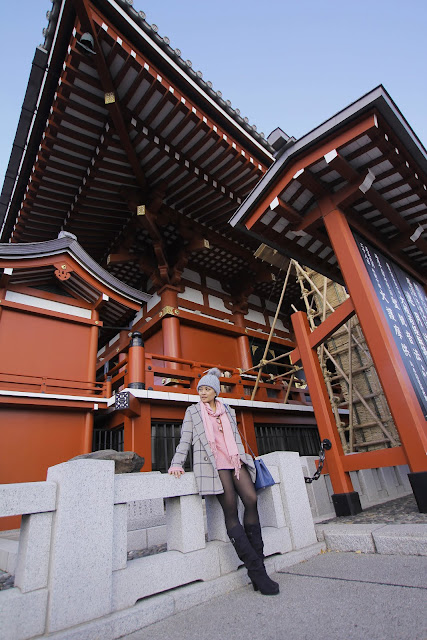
<point x="215" y="520"/>
<point x="184" y="522"/>
<point x="294" y="497"/>
<point x="34" y="550"/>
<point x="80" y="571"/>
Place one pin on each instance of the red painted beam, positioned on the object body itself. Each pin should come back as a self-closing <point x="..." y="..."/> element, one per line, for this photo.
<point x="304" y="161"/>
<point x="333" y="322"/>
<point x="340" y="479"/>
<point x="401" y="398"/>
<point x="374" y="459"/>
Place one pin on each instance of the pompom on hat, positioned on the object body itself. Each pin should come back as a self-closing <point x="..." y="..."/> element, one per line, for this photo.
<point x="211" y="379"/>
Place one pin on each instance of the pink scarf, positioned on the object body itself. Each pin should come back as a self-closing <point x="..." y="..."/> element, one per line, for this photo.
<point x="210" y="423"/>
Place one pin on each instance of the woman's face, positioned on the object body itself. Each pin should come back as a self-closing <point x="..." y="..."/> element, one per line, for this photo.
<point x="207" y="394"/>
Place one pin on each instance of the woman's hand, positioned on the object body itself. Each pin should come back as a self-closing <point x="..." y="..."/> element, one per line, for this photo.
<point x="176" y="472"/>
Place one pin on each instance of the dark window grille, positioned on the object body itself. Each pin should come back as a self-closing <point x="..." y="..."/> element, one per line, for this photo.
<point x="108" y="439"/>
<point x="274" y="437"/>
<point x="165" y="437"/>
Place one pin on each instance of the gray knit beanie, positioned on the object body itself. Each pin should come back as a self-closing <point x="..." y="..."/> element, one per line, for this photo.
<point x="211" y="379"/>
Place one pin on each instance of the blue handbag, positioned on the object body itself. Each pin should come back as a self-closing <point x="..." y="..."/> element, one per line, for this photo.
<point x="264" y="478"/>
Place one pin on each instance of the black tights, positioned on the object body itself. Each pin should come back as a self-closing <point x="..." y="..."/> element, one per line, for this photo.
<point x="244" y="488"/>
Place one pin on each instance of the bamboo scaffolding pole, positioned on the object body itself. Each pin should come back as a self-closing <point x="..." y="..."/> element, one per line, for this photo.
<point x="361" y="399"/>
<point x="287" y="373"/>
<point x="323" y="304"/>
<point x="276" y="315"/>
<point x="310" y="315"/>
<point x="315" y="288"/>
<point x="288" y="390"/>
<point x="336" y="413"/>
<point x="350" y="392"/>
<point x="325" y="285"/>
<point x="262" y="363"/>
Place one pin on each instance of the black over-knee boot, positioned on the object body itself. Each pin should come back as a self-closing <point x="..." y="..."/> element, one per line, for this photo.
<point x="253" y="531"/>
<point x="252" y="562"/>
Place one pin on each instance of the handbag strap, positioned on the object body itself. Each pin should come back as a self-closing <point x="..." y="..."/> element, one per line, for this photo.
<point x="238" y="430"/>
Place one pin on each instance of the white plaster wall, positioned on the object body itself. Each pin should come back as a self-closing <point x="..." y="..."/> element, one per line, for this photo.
<point x="193" y="295"/>
<point x="218" y="304"/>
<point x="211" y="283"/>
<point x="255" y="316"/>
<point x="193" y="276"/>
<point x="153" y="301"/>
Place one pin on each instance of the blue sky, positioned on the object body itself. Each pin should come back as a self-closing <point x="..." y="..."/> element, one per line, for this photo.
<point x="288" y="64"/>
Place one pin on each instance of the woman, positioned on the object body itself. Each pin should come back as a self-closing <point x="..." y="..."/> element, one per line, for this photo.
<point x="222" y="467"/>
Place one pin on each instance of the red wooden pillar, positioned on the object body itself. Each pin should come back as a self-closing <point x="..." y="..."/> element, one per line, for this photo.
<point x="170" y="324"/>
<point x="346" y="501"/>
<point x="401" y="398"/>
<point x="93" y="348"/>
<point x="247" y="429"/>
<point x="243" y="346"/>
<point x="136" y="362"/>
<point x="137" y="433"/>
<point x="88" y="433"/>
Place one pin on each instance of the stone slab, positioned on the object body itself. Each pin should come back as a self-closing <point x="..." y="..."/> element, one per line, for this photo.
<point x="328" y="608"/>
<point x="185" y="523"/>
<point x="130" y="487"/>
<point x="402" y="539"/>
<point x="409" y="571"/>
<point x="156" y="535"/>
<point x="354" y="537"/>
<point x="276" y="540"/>
<point x="119" y="624"/>
<point x="153" y="574"/>
<point x="32" y="566"/>
<point x="27" y="497"/>
<point x="22" y="615"/>
<point x="137" y="540"/>
<point x="81" y="563"/>
<point x="143" y="514"/>
<point x="8" y="555"/>
<point x="294" y="497"/>
<point x="120" y="538"/>
<point x="270" y="507"/>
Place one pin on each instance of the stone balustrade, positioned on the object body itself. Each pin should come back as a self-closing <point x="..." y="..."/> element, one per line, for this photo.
<point x="374" y="486"/>
<point x="73" y="580"/>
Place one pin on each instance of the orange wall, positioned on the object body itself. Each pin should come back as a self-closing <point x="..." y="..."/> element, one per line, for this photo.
<point x="207" y="346"/>
<point x="32" y="441"/>
<point x="41" y="346"/>
<point x="154" y="344"/>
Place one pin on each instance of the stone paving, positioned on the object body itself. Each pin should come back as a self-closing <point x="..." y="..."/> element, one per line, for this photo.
<point x="399" y="511"/>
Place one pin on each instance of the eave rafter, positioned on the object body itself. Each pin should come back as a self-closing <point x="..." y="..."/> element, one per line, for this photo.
<point x="379" y="202"/>
<point x="86" y="20"/>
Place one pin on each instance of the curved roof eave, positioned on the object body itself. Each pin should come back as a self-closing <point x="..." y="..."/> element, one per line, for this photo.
<point x="41" y="77"/>
<point x="17" y="251"/>
<point x="378" y="99"/>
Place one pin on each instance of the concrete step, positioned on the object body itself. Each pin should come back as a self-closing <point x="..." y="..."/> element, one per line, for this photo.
<point x="391" y="539"/>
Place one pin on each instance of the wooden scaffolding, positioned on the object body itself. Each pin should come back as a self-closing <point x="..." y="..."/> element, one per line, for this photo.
<point x="347" y="366"/>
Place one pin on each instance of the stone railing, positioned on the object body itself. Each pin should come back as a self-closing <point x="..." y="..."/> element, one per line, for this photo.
<point x="374" y="486"/>
<point x="73" y="579"/>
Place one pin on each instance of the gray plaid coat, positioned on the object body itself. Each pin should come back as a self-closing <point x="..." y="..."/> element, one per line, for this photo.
<point x="204" y="467"/>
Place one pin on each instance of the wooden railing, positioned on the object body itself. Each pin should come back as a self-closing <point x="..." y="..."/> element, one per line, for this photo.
<point x="55" y="386"/>
<point x="158" y="372"/>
